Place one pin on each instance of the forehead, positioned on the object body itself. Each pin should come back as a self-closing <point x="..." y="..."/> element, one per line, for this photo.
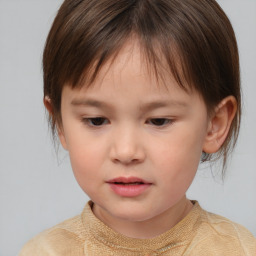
<point x="133" y="61"/>
<point x="129" y="76"/>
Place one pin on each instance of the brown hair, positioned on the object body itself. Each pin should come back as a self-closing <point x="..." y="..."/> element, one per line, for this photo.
<point x="194" y="36"/>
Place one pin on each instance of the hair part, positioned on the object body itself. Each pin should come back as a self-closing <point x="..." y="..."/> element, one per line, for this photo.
<point x="195" y="38"/>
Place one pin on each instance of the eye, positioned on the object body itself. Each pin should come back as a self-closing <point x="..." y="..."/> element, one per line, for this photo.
<point x="95" y="121"/>
<point x="159" y="121"/>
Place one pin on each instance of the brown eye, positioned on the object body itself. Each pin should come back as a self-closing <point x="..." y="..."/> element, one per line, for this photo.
<point x="95" y="121"/>
<point x="159" y="121"/>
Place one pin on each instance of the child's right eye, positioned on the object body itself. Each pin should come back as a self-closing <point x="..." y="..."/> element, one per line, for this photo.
<point x="95" y="121"/>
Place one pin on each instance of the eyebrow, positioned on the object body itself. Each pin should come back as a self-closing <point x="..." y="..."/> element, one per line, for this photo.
<point x="161" y="104"/>
<point x="144" y="107"/>
<point x="90" y="103"/>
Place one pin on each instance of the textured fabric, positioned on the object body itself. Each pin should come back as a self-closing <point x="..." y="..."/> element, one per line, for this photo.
<point x="199" y="233"/>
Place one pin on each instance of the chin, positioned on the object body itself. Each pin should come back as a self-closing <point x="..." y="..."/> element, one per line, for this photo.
<point x="131" y="214"/>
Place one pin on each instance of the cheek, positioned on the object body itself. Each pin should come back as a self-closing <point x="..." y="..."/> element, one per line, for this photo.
<point x="178" y="168"/>
<point x="178" y="159"/>
<point x="82" y="146"/>
<point x="180" y="151"/>
<point x="85" y="166"/>
<point x="177" y="175"/>
<point x="86" y="159"/>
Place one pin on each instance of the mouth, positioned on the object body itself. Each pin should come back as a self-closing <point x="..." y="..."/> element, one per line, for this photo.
<point x="128" y="181"/>
<point x="132" y="183"/>
<point x="129" y="187"/>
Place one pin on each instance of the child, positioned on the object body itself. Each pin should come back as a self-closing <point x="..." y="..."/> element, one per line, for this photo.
<point x="139" y="92"/>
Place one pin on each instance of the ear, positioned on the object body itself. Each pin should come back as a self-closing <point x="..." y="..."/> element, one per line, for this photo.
<point x="48" y="105"/>
<point x="61" y="135"/>
<point x="219" y="124"/>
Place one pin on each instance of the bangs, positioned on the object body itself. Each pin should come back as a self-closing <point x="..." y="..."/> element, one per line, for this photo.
<point x="88" y="46"/>
<point x="158" y="60"/>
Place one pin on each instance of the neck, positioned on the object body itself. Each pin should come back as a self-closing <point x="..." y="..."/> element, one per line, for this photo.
<point x="147" y="228"/>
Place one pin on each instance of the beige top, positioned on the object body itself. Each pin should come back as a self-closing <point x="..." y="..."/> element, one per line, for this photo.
<point x="199" y="233"/>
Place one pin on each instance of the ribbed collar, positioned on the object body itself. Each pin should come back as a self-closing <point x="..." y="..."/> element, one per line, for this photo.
<point x="179" y="235"/>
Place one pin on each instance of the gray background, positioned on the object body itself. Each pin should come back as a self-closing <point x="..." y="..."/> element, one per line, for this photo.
<point x="37" y="190"/>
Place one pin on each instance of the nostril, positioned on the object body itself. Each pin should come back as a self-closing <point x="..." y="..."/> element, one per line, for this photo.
<point x="127" y="153"/>
<point x="126" y="161"/>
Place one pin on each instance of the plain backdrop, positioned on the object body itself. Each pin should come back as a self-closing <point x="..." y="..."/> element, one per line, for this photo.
<point x="37" y="190"/>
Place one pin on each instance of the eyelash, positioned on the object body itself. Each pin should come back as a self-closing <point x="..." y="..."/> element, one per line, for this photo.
<point x="163" y="121"/>
<point x="100" y="121"/>
<point x="89" y="121"/>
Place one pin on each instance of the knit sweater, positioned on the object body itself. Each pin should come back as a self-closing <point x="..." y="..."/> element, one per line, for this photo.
<point x="199" y="233"/>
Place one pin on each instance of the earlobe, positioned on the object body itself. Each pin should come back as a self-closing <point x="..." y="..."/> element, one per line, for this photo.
<point x="48" y="106"/>
<point x="62" y="138"/>
<point x="219" y="124"/>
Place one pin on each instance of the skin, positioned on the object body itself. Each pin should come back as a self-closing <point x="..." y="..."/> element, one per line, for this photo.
<point x="145" y="130"/>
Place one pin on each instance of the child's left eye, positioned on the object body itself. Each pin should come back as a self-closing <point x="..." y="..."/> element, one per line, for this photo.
<point x="159" y="121"/>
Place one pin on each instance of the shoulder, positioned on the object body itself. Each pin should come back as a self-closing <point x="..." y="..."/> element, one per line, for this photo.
<point x="61" y="239"/>
<point x="217" y="235"/>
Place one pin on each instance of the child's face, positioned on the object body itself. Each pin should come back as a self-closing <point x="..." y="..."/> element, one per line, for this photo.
<point x="126" y="125"/>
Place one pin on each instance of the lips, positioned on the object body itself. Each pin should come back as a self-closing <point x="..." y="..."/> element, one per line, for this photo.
<point x="129" y="187"/>
<point x="128" y="181"/>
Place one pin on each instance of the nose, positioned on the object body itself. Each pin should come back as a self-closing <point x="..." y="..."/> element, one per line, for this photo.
<point x="127" y="147"/>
